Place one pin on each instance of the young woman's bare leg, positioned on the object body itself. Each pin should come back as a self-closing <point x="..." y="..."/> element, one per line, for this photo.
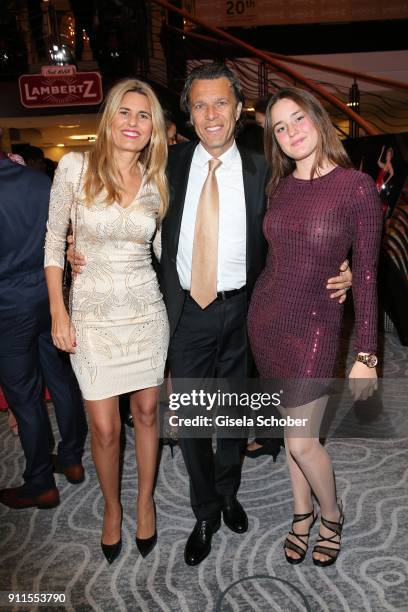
<point x="311" y="469"/>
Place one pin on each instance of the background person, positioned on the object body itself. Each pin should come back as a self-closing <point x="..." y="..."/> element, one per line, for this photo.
<point x="28" y="357"/>
<point x="34" y="158"/>
<point x="384" y="177"/>
<point x="251" y="135"/>
<point x="173" y="137"/>
<point x="260" y="106"/>
<point x="386" y="168"/>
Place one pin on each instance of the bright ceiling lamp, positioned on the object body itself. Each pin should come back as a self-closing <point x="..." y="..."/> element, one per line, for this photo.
<point x="88" y="137"/>
<point x="61" y="55"/>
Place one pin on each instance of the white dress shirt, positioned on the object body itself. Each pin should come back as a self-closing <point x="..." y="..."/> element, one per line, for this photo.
<point x="231" y="272"/>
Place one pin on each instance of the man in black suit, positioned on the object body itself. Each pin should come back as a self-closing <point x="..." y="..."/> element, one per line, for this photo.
<point x="27" y="353"/>
<point x="210" y="341"/>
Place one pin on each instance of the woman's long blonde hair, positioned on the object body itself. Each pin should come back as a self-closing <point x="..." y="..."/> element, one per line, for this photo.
<point x="103" y="173"/>
<point x="329" y="146"/>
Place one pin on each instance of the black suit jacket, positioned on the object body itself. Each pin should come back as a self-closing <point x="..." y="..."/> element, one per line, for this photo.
<point x="24" y="198"/>
<point x="254" y="170"/>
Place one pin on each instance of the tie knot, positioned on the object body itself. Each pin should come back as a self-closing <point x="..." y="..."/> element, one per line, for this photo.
<point x="213" y="164"/>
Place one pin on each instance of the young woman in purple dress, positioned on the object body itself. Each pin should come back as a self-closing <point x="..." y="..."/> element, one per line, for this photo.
<point x="319" y="208"/>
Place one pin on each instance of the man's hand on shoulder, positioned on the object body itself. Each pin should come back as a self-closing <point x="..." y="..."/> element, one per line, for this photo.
<point x="340" y="284"/>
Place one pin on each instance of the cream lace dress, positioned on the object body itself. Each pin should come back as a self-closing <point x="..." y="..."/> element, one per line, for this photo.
<point x="117" y="308"/>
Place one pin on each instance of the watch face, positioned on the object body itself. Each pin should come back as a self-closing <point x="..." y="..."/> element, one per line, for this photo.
<point x="372" y="361"/>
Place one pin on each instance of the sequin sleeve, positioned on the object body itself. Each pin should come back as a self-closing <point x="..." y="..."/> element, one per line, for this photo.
<point x="59" y="214"/>
<point x="366" y="231"/>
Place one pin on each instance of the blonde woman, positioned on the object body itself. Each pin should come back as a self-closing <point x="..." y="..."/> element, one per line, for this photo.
<point x="116" y="197"/>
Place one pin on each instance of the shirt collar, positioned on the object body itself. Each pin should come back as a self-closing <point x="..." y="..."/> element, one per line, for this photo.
<point x="227" y="158"/>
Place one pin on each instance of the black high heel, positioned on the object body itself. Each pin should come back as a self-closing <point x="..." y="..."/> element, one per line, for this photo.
<point x="268" y="447"/>
<point x="169" y="435"/>
<point x="170" y="443"/>
<point x="332" y="553"/>
<point x="112" y="551"/>
<point x="146" y="545"/>
<point x="297" y="518"/>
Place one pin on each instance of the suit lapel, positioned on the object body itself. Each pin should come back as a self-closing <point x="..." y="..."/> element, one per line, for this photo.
<point x="178" y="180"/>
<point x="251" y="190"/>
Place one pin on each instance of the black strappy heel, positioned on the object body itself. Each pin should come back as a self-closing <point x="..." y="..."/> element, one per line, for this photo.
<point x="332" y="553"/>
<point x="297" y="518"/>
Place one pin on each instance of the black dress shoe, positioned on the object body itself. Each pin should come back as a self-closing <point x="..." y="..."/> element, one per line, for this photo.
<point x="75" y="473"/>
<point x="270" y="446"/>
<point x="111" y="551"/>
<point x="127" y="419"/>
<point x="234" y="515"/>
<point x="198" y="545"/>
<point x="18" y="498"/>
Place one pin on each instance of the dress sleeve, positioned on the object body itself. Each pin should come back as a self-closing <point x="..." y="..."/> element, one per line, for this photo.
<point x="367" y="221"/>
<point x="59" y="213"/>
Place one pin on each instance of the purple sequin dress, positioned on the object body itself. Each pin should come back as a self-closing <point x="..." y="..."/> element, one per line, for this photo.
<point x="293" y="325"/>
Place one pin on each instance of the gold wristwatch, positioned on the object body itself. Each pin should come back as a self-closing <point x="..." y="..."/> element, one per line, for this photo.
<point x="369" y="360"/>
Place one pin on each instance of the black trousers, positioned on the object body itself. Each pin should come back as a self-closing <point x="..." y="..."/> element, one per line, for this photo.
<point x="211" y="343"/>
<point x="28" y="359"/>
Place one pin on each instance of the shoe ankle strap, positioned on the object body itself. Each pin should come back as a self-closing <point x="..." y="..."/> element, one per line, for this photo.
<point x="333" y="526"/>
<point x="297" y="518"/>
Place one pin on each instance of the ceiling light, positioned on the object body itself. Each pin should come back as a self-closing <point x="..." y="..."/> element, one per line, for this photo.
<point x="61" y="55"/>
<point x="83" y="137"/>
<point x="60" y="145"/>
<point x="70" y="127"/>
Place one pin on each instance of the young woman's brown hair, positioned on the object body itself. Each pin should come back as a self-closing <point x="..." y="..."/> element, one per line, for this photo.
<point x="329" y="146"/>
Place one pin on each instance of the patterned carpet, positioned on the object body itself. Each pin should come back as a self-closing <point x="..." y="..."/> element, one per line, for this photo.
<point x="58" y="550"/>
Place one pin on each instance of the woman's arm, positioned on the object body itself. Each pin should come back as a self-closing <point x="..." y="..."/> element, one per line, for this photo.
<point x="366" y="220"/>
<point x="61" y="200"/>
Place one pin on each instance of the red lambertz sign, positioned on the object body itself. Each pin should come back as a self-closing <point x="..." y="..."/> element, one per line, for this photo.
<point x="60" y="89"/>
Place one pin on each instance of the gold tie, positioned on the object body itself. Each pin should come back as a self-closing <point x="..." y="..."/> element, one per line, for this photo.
<point x="205" y="247"/>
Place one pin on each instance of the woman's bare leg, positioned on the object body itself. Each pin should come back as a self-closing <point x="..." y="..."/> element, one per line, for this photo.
<point x="105" y="428"/>
<point x="302" y="499"/>
<point x="311" y="469"/>
<point x="143" y="405"/>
